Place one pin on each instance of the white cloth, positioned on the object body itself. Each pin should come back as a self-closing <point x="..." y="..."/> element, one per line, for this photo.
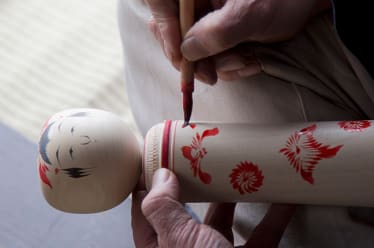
<point x="312" y="77"/>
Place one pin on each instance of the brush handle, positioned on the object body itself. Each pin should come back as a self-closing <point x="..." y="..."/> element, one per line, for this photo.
<point x="186" y="15"/>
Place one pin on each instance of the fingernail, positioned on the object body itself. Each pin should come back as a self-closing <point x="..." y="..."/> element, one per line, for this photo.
<point x="160" y="177"/>
<point x="229" y="65"/>
<point x="250" y="70"/>
<point x="193" y="50"/>
<point x="207" y="80"/>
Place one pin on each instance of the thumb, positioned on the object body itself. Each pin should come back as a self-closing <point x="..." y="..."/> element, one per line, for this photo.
<point x="173" y="225"/>
<point x="161" y="206"/>
<point x="218" y="31"/>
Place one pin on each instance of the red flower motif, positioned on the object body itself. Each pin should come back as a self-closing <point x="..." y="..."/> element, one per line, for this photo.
<point x="196" y="152"/>
<point x="354" y="126"/>
<point x="43" y="174"/>
<point x="304" y="152"/>
<point x="246" y="177"/>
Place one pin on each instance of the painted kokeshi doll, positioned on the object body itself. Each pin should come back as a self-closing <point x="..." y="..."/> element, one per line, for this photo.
<point x="325" y="163"/>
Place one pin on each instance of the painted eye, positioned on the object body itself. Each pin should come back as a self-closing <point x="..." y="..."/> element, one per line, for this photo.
<point x="72" y="130"/>
<point x="58" y="155"/>
<point x="71" y="152"/>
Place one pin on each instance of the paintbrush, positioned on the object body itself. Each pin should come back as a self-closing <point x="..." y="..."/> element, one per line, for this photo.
<point x="186" y="15"/>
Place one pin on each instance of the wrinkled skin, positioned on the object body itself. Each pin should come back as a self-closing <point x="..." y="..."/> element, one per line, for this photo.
<point x="221" y="41"/>
<point x="160" y="220"/>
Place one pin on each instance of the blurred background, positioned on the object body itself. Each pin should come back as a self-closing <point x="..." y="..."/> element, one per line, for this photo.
<point x="56" y="55"/>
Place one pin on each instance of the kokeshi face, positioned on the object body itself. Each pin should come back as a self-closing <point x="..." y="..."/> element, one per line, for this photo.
<point x="307" y="163"/>
<point x="88" y="160"/>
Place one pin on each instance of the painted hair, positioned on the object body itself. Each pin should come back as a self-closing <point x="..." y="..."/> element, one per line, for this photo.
<point x="44" y="139"/>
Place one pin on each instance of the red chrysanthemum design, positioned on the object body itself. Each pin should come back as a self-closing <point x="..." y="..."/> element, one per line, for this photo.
<point x="246" y="177"/>
<point x="354" y="126"/>
<point x="196" y="152"/>
<point x="304" y="152"/>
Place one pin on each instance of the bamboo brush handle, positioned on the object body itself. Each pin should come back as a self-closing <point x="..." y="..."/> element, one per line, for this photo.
<point x="186" y="15"/>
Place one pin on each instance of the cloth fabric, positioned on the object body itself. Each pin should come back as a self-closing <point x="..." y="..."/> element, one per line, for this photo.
<point x="312" y="77"/>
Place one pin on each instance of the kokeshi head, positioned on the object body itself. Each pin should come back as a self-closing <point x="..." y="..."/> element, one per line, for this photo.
<point x="88" y="160"/>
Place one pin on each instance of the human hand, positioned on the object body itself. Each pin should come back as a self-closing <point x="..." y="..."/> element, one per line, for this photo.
<point x="221" y="41"/>
<point x="160" y="220"/>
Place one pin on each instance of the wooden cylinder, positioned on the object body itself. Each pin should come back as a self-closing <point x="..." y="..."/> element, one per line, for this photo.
<point x="324" y="163"/>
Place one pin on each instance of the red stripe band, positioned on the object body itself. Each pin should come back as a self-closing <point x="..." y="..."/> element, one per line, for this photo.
<point x="165" y="145"/>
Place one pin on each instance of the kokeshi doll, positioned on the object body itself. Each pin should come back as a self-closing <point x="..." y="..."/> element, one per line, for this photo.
<point x="89" y="161"/>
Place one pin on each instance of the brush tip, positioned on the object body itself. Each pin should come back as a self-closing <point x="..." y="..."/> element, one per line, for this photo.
<point x="187" y="107"/>
<point x="186" y="123"/>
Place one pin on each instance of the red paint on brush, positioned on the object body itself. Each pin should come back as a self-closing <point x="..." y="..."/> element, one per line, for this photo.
<point x="187" y="90"/>
<point x="165" y="145"/>
<point x="191" y="125"/>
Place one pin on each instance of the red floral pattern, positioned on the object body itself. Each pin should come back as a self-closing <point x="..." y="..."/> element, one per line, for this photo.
<point x="354" y="126"/>
<point x="192" y="125"/>
<point x="246" y="177"/>
<point x="304" y="152"/>
<point x="196" y="152"/>
<point x="43" y="174"/>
